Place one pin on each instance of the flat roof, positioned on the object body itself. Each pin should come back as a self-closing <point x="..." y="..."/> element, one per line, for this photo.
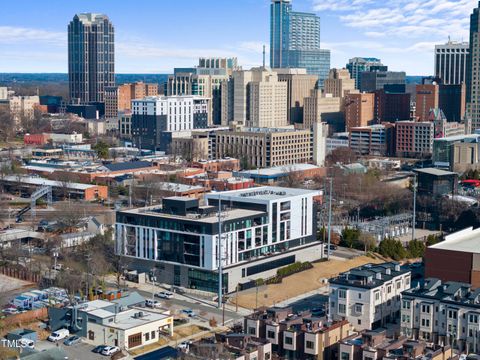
<point x="211" y="218"/>
<point x="434" y="171"/>
<point x="279" y="170"/>
<point x="30" y="180"/>
<point x="126" y="320"/>
<point x="266" y="193"/>
<point x="466" y="240"/>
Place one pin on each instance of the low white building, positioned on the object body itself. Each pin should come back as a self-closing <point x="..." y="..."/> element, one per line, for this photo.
<point x="368" y="296"/>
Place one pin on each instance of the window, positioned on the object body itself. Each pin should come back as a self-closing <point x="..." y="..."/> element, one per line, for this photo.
<point x="147" y="336"/>
<point x="359" y="322"/>
<point x="406" y="304"/>
<point x="377" y="295"/>
<point x="252" y="331"/>
<point x="359" y="295"/>
<point x="309" y="344"/>
<point x="345" y="356"/>
<point x="389" y="289"/>
<point x="267" y="356"/>
<point x="152" y="335"/>
<point x="288" y="340"/>
<point x="134" y="340"/>
<point x="473" y="318"/>
<point x="270" y="334"/>
<point x="342" y="294"/>
<point x="341" y="308"/>
<point x="426" y="309"/>
<point x="358" y="308"/>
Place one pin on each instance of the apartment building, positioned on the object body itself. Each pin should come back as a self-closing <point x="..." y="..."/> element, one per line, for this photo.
<point x="414" y="139"/>
<point x="375" y="140"/>
<point x="368" y="296"/>
<point x="262" y="229"/>
<point x="376" y="345"/>
<point x="138" y="90"/>
<point x="23" y="107"/>
<point x="359" y="110"/>
<point x="442" y="313"/>
<point x="297" y="336"/>
<point x="320" y="107"/>
<point x="111" y="102"/>
<point x="155" y="118"/>
<point x="299" y="86"/>
<point x="263" y="147"/>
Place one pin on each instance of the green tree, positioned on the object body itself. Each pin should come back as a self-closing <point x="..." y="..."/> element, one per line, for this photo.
<point x="392" y="248"/>
<point x="416" y="249"/>
<point x="350" y="238"/>
<point x="432" y="240"/>
<point x="101" y="149"/>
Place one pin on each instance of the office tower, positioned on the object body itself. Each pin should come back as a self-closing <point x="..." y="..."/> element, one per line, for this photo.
<point x="259" y="98"/>
<point x="323" y="108"/>
<point x="295" y="40"/>
<point x="156" y="118"/>
<point x="204" y="80"/>
<point x="473" y="70"/>
<point x="299" y="86"/>
<point x="392" y="81"/>
<point x="111" y="102"/>
<point x="391" y="107"/>
<point x="426" y="100"/>
<point x="339" y="83"/>
<point x="91" y="57"/>
<point x="358" y="65"/>
<point x="359" y="110"/>
<point x="452" y="100"/>
<point x="451" y="62"/>
<point x="376" y="140"/>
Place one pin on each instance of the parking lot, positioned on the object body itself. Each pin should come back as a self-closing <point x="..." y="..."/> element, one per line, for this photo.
<point x="79" y="351"/>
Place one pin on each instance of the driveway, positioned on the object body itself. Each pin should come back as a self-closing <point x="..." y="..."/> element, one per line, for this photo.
<point x="79" y="351"/>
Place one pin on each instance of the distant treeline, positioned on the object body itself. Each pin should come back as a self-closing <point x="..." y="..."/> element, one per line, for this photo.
<point x="7" y="79"/>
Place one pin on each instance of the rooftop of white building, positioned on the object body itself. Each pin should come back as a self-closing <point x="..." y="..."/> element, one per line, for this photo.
<point x="266" y="193"/>
<point x="465" y="240"/>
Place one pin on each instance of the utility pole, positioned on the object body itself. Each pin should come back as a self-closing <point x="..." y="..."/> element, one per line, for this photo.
<point x="220" y="270"/>
<point x="414" y="205"/>
<point x="153" y="285"/>
<point x="329" y="218"/>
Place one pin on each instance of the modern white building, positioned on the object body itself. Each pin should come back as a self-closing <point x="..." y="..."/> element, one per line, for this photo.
<point x="451" y="62"/>
<point x="155" y="118"/>
<point x="443" y="313"/>
<point x="263" y="229"/>
<point x="23" y="106"/>
<point x="368" y="296"/>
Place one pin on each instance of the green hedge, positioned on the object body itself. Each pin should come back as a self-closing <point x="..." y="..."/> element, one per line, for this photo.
<point x="293" y="268"/>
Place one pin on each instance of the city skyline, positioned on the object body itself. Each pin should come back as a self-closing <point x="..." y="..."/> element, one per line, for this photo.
<point x="151" y="43"/>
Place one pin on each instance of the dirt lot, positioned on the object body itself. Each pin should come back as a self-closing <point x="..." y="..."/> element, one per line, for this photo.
<point x="300" y="283"/>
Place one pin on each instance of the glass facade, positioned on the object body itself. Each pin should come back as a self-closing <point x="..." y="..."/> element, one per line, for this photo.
<point x="295" y="41"/>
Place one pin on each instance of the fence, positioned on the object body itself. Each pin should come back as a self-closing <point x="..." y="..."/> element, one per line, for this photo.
<point x="26" y="317"/>
<point x="20" y="274"/>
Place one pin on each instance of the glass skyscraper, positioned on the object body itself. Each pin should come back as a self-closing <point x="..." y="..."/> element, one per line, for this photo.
<point x="91" y="57"/>
<point x="295" y="40"/>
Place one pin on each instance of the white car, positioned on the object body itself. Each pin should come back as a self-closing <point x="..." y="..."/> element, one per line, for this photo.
<point x="27" y="343"/>
<point x="164" y="295"/>
<point x="152" y="303"/>
<point x="110" y="350"/>
<point x="184" y="345"/>
<point x="58" y="335"/>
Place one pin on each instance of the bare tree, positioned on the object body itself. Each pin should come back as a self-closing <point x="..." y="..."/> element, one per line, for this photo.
<point x="368" y="241"/>
<point x="7" y="124"/>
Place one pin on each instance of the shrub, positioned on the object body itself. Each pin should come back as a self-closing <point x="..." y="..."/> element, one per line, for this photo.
<point x="392" y="248"/>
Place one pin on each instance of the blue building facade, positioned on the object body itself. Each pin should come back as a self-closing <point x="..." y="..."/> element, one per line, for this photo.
<point x="295" y="40"/>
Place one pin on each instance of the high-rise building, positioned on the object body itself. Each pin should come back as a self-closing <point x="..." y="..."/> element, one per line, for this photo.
<point x="451" y="62"/>
<point x="358" y="65"/>
<point x="391" y="107"/>
<point x="426" y="100"/>
<point x="299" y="86"/>
<point x="111" y="102"/>
<point x="339" y="83"/>
<point x="392" y="81"/>
<point x="451" y="99"/>
<point x="295" y="40"/>
<point x="320" y="107"/>
<point x="91" y="57"/>
<point x="359" y="110"/>
<point x="414" y="139"/>
<point x="259" y="98"/>
<point x="473" y="70"/>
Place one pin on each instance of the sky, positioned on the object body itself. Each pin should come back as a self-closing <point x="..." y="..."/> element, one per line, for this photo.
<point x="154" y="36"/>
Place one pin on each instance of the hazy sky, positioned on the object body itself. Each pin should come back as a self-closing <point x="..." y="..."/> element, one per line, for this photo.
<point x="153" y="36"/>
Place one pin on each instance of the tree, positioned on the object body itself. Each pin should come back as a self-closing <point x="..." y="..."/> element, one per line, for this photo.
<point x="432" y="240"/>
<point x="416" y="249"/>
<point x="102" y="149"/>
<point x="342" y="155"/>
<point x="368" y="241"/>
<point x="7" y="124"/>
<point x="350" y="238"/>
<point x="292" y="178"/>
<point x="392" y="248"/>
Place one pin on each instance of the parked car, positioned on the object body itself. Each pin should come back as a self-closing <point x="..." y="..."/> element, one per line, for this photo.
<point x="189" y="312"/>
<point x="184" y="345"/>
<point x="164" y="295"/>
<point x="110" y="350"/>
<point x="152" y="303"/>
<point x="72" y="340"/>
<point x="98" y="349"/>
<point x="27" y="343"/>
<point x="58" y="335"/>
